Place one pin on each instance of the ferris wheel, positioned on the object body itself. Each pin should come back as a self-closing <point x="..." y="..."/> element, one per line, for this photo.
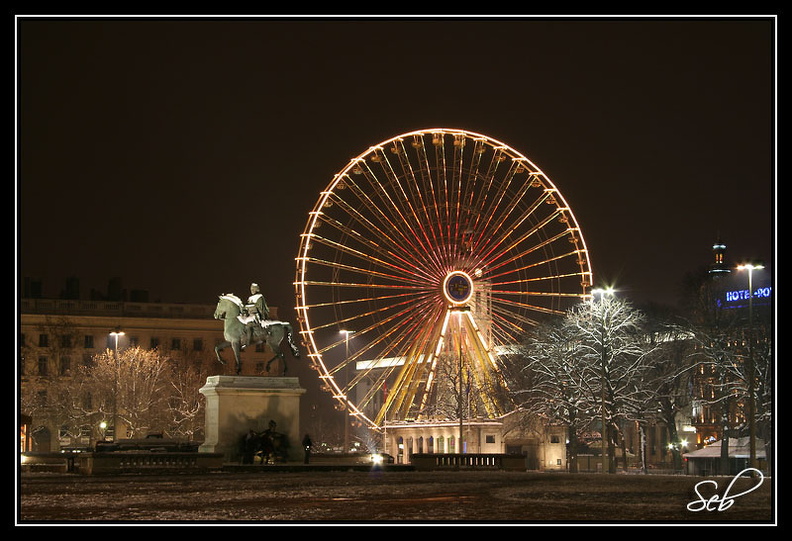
<point x="422" y="265"/>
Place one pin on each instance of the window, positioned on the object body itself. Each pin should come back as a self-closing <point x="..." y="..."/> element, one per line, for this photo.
<point x="42" y="366"/>
<point x="66" y="341"/>
<point x="154" y="342"/>
<point x="197" y="344"/>
<point x="65" y="365"/>
<point x="489" y="438"/>
<point x="43" y="341"/>
<point x="175" y="343"/>
<point x="88" y="342"/>
<point x="555" y="439"/>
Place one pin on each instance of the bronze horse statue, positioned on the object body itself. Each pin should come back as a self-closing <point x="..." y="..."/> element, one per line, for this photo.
<point x="239" y="335"/>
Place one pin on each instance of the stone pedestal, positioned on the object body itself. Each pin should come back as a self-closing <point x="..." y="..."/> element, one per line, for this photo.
<point x="237" y="404"/>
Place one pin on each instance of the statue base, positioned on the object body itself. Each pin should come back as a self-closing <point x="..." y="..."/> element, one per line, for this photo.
<point x="237" y="404"/>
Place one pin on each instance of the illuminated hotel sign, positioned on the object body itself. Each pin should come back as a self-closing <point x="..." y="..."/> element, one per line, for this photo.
<point x="738" y="298"/>
<point x="744" y="294"/>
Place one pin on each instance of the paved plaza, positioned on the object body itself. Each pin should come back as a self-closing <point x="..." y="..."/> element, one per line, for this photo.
<point x="391" y="497"/>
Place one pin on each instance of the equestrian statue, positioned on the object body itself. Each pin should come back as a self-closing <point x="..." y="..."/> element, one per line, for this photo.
<point x="246" y="324"/>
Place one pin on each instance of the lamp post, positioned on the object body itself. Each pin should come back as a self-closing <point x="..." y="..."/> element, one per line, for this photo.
<point x="115" y="334"/>
<point x="346" y="403"/>
<point x="461" y="390"/>
<point x="603" y="372"/>
<point x="751" y="369"/>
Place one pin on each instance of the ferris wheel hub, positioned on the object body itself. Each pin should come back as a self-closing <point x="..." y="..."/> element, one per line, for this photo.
<point x="458" y="287"/>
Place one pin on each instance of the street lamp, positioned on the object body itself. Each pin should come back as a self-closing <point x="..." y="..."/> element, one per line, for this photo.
<point x="116" y="333"/>
<point x="603" y="376"/>
<point x="751" y="369"/>
<point x="346" y="373"/>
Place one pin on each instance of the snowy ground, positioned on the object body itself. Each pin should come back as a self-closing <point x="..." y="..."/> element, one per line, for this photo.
<point x="395" y="498"/>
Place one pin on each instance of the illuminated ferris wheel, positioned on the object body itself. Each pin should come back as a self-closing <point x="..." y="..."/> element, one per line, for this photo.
<point x="422" y="264"/>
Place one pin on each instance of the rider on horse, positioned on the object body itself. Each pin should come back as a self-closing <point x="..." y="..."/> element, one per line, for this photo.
<point x="256" y="310"/>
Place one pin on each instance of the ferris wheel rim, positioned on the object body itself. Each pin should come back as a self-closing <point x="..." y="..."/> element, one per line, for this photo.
<point x="303" y="259"/>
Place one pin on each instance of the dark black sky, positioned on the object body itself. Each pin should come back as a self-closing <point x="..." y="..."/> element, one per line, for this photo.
<point x="184" y="155"/>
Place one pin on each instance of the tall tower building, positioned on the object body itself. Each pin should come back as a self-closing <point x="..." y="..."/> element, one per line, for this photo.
<point x="719" y="267"/>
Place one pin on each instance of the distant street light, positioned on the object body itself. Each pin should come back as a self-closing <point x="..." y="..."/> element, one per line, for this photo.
<point x="116" y="333"/>
<point x="605" y="429"/>
<point x="751" y="368"/>
<point x="346" y="383"/>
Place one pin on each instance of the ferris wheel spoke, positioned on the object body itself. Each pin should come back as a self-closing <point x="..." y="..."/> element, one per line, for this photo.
<point x="410" y="351"/>
<point x="492" y="195"/>
<point x="390" y="329"/>
<point x="359" y="300"/>
<point x="405" y="243"/>
<point x="392" y="253"/>
<point x="538" y="264"/>
<point x="368" y="250"/>
<point x="405" y="279"/>
<point x="531" y="308"/>
<point x="552" y="282"/>
<point x="421" y="206"/>
<point x="390" y="210"/>
<point x="405" y="206"/>
<point x="353" y="320"/>
<point x="510" y="326"/>
<point x="427" y="186"/>
<point x="490" y="228"/>
<point x="437" y="179"/>
<point x="505" y="243"/>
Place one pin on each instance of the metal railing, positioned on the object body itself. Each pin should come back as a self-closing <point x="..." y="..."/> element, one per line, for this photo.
<point x="485" y="461"/>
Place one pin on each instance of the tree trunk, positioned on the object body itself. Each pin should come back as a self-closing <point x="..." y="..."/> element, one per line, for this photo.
<point x="623" y="449"/>
<point x="572" y="450"/>
<point x="611" y="449"/>
<point x="642" y="432"/>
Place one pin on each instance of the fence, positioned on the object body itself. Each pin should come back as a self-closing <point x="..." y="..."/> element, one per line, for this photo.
<point x="474" y="461"/>
<point x="127" y="462"/>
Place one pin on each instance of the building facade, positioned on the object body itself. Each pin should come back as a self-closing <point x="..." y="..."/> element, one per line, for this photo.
<point x="543" y="446"/>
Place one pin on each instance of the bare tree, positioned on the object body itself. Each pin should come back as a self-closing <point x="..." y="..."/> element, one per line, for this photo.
<point x="186" y="406"/>
<point x="669" y="381"/>
<point x="548" y="384"/>
<point x="593" y="362"/>
<point x="132" y="387"/>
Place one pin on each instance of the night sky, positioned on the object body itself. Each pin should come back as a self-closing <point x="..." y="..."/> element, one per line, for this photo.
<point x="183" y="155"/>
